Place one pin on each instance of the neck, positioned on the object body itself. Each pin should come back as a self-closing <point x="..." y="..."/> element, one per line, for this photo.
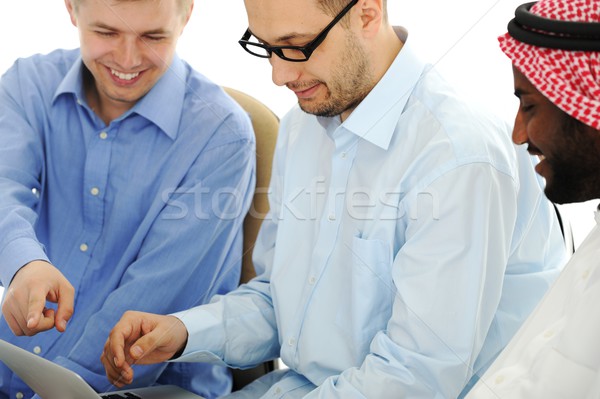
<point x="388" y="46"/>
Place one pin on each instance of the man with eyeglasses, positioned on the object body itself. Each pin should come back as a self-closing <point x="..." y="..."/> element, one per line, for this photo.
<point x="407" y="238"/>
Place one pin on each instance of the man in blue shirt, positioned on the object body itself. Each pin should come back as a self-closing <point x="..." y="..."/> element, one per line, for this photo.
<point x="125" y="176"/>
<point x="407" y="240"/>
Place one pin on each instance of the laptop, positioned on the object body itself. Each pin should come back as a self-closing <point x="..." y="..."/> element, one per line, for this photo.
<point x="52" y="381"/>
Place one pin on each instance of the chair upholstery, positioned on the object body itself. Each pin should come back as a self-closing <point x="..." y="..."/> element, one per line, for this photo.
<point x="266" y="125"/>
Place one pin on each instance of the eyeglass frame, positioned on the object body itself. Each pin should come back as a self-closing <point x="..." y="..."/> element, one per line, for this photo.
<point x="306" y="50"/>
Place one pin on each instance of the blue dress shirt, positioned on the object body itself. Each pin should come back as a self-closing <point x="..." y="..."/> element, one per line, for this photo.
<point x="144" y="213"/>
<point x="403" y="249"/>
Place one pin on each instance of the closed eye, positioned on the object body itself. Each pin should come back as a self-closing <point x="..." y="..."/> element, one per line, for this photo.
<point x="105" y="33"/>
<point x="154" y="38"/>
<point x="526" y="108"/>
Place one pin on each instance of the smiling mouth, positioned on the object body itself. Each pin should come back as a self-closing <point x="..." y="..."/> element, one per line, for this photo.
<point x="534" y="151"/>
<point x="305" y="92"/>
<point x="124" y="76"/>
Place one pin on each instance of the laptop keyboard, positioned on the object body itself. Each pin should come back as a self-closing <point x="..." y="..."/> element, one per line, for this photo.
<point x="126" y="395"/>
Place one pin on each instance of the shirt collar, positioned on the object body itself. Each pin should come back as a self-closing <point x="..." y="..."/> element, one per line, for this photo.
<point x="72" y="82"/>
<point x="162" y="105"/>
<point x="377" y="115"/>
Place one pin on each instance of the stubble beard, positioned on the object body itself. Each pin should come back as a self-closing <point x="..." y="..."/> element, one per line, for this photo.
<point x="576" y="169"/>
<point x="350" y="84"/>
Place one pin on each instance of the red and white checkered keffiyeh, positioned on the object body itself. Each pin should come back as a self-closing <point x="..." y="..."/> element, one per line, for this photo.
<point x="570" y="79"/>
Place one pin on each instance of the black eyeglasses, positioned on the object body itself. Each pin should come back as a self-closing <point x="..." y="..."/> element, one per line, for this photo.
<point x="291" y="53"/>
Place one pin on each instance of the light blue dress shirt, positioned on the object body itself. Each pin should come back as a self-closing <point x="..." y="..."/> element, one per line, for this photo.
<point x="403" y="249"/>
<point x="144" y="213"/>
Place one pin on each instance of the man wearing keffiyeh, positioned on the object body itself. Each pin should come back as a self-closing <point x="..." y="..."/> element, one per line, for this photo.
<point x="554" y="46"/>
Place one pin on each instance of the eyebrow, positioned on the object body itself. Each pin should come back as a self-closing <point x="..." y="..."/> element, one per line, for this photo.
<point x="519" y="93"/>
<point x="158" y="31"/>
<point x="290" y="36"/>
<point x="287" y="37"/>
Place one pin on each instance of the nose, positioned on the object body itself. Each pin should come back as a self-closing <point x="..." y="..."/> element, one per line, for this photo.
<point x="519" y="134"/>
<point x="129" y="52"/>
<point x="284" y="71"/>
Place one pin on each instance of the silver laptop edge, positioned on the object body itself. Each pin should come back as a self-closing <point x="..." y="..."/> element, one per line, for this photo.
<point x="52" y="381"/>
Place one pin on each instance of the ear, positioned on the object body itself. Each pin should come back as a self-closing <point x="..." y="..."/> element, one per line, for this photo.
<point x="371" y="16"/>
<point x="71" y="11"/>
<point x="188" y="14"/>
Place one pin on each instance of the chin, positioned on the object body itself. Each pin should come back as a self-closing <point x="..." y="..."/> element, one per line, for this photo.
<point x="567" y="194"/>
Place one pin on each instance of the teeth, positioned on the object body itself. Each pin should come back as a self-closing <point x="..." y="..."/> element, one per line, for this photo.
<point x="124" y="76"/>
<point x="542" y="157"/>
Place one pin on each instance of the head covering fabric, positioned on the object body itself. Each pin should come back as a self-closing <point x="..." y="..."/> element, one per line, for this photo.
<point x="570" y="79"/>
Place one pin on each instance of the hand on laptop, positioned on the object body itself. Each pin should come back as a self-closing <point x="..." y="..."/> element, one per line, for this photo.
<point x="24" y="306"/>
<point x="141" y="338"/>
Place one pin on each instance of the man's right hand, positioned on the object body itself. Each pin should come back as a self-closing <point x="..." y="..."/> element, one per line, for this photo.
<point x="24" y="306"/>
<point x="141" y="338"/>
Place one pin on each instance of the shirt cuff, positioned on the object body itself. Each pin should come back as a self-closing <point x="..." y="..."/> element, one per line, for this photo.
<point x="206" y="335"/>
<point x="17" y="254"/>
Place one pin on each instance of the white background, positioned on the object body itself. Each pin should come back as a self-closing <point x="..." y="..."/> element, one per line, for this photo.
<point x="458" y="36"/>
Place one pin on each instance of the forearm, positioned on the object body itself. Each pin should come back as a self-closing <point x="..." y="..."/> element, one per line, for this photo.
<point x="21" y="165"/>
<point x="237" y="329"/>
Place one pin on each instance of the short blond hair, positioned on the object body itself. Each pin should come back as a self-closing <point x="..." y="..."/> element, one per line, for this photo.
<point x="184" y="4"/>
<point x="332" y="7"/>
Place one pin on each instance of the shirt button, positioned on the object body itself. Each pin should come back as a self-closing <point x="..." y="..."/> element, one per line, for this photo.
<point x="312" y="280"/>
<point x="344" y="155"/>
<point x="585" y="274"/>
<point x="103" y="135"/>
<point x="499" y="379"/>
<point x="95" y="191"/>
<point x="37" y="350"/>
<point x="19" y="395"/>
<point x="548" y="334"/>
<point x="83" y="247"/>
<point x="331" y="217"/>
<point x="277" y="391"/>
<point x="291" y="341"/>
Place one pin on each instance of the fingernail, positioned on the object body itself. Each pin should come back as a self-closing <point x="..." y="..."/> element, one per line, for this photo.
<point x="137" y="351"/>
<point x="63" y="324"/>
